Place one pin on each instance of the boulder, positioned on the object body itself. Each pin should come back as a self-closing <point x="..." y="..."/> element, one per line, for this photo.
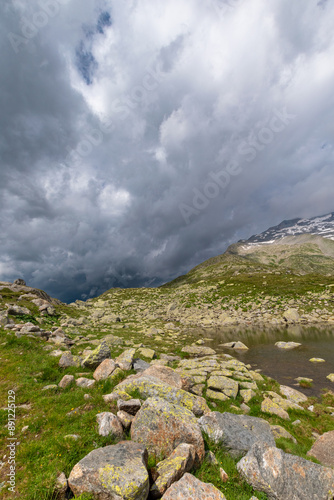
<point x="226" y="385"/>
<point x="323" y="449"/>
<point x="131" y="406"/>
<point x="237" y="433"/>
<point x="189" y="487"/>
<point x="165" y="374"/>
<point x="147" y="353"/>
<point x="17" y="310"/>
<point x="291" y="315"/>
<point x="104" y="370"/>
<point x="95" y="358"/>
<point x="269" y="406"/>
<point x="67" y="359"/>
<point x="125" y="418"/>
<point x="285" y="477"/>
<point x="162" y="426"/>
<point x="247" y="395"/>
<point x="198" y="350"/>
<point x="152" y="387"/>
<point x="85" y="382"/>
<point x="140" y="365"/>
<point x="330" y="377"/>
<point x="109" y="425"/>
<point x="292" y="394"/>
<point x="112" y="473"/>
<point x="19" y="281"/>
<point x="287" y="345"/>
<point x="125" y="360"/>
<point x="66" y="381"/>
<point x="172" y="469"/>
<point x="235" y="345"/>
<point x="279" y="432"/>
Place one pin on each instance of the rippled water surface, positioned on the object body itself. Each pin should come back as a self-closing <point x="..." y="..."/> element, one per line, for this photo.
<point x="284" y="366"/>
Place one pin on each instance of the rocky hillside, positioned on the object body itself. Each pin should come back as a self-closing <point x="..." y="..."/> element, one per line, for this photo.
<point x="109" y="399"/>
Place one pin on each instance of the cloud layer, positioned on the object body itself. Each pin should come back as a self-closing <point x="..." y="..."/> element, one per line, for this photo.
<point x="140" y="138"/>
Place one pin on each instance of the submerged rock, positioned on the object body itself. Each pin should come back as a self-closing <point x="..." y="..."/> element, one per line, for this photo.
<point x="287" y="345"/>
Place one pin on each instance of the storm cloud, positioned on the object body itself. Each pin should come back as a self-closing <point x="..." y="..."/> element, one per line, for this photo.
<point x="140" y="138"/>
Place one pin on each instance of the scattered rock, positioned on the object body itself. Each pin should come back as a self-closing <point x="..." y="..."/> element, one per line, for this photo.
<point x="104" y="370"/>
<point x="85" y="382"/>
<point x="61" y="487"/>
<point x="66" y="381"/>
<point x="235" y="345"/>
<point x="317" y="360"/>
<point x="287" y="345"/>
<point x="125" y="360"/>
<point x="113" y="472"/>
<point x="67" y="359"/>
<point x="131" y="406"/>
<point x="279" y="432"/>
<point x="162" y="426"/>
<point x="189" y="487"/>
<point x="247" y="394"/>
<point x="291" y="315"/>
<point x="285" y="477"/>
<point x="211" y="458"/>
<point x="330" y="377"/>
<point x="236" y="433"/>
<point x="198" y="350"/>
<point x="17" y="310"/>
<point x="109" y="425"/>
<point x="50" y="387"/>
<point x="226" y="385"/>
<point x="292" y="394"/>
<point x="223" y="476"/>
<point x="125" y="418"/>
<point x="323" y="449"/>
<point x="172" y="469"/>
<point x="268" y="406"/>
<point x="165" y="374"/>
<point x="95" y="358"/>
<point x="140" y="365"/>
<point x="147" y="353"/>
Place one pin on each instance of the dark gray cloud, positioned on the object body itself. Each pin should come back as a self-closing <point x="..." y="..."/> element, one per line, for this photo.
<point x="140" y="138"/>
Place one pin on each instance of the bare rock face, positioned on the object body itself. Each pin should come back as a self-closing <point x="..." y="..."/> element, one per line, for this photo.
<point x="285" y="477"/>
<point x="112" y="473"/>
<point x="162" y="426"/>
<point x="191" y="487"/>
<point x="323" y="449"/>
<point x="237" y="433"/>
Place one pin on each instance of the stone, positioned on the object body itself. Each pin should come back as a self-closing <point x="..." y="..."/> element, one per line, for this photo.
<point x="279" y="432"/>
<point x="269" y="406"/>
<point x="140" y="365"/>
<point x="245" y="408"/>
<point x="85" y="382"/>
<point x="61" y="487"/>
<point x="50" y="387"/>
<point x="198" y="350"/>
<point x="125" y="360"/>
<point x="165" y="374"/>
<point x="95" y="358"/>
<point x="189" y="487"/>
<point x="131" y="406"/>
<point x="104" y="370"/>
<point x="323" y="449"/>
<point x="15" y="310"/>
<point x="162" y="426"/>
<point x="292" y="394"/>
<point x="287" y="345"/>
<point x="291" y="315"/>
<point x="223" y="476"/>
<point x="112" y="473"/>
<point x="125" y="418"/>
<point x="226" y="385"/>
<point x="55" y="353"/>
<point x="282" y="476"/>
<point x="237" y="433"/>
<point x="151" y="387"/>
<point x="330" y="377"/>
<point x="211" y="458"/>
<point x="219" y="396"/>
<point x="197" y="389"/>
<point x="172" y="468"/>
<point x="147" y="353"/>
<point x="67" y="359"/>
<point x="66" y="381"/>
<point x="20" y="282"/>
<point x="317" y="360"/>
<point x="109" y="425"/>
<point x="235" y="345"/>
<point x="247" y="395"/>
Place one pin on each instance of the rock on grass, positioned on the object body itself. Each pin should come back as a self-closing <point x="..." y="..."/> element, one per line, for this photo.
<point x="189" y="487"/>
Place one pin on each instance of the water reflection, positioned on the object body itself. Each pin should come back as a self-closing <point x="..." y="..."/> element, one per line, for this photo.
<point x="282" y="365"/>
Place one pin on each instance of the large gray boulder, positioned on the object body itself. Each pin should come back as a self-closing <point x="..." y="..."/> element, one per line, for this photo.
<point x="285" y="477"/>
<point x="162" y="426"/>
<point x="237" y="433"/>
<point x="112" y="473"/>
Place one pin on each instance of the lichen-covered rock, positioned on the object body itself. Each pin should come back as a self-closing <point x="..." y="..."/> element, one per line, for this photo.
<point x="285" y="477"/>
<point x="330" y="377"/>
<point x="198" y="350"/>
<point x="226" y="385"/>
<point x="236" y="433"/>
<point x="151" y="387"/>
<point x="292" y="394"/>
<point x="67" y="359"/>
<point x="165" y="374"/>
<point x="66" y="381"/>
<point x="95" y="358"/>
<point x="162" y="426"/>
<point x="323" y="449"/>
<point x="109" y="425"/>
<point x="219" y="396"/>
<point x="125" y="360"/>
<point x="291" y="315"/>
<point x="125" y="418"/>
<point x="85" y="382"/>
<point x="115" y="472"/>
<point x="189" y="487"/>
<point x="172" y="469"/>
<point x="247" y="394"/>
<point x="287" y="345"/>
<point x="147" y="353"/>
<point x="279" y="432"/>
<point x="105" y="369"/>
<point x="269" y="406"/>
<point x="131" y="406"/>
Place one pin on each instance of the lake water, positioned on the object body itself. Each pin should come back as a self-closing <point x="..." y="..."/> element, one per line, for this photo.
<point x="282" y="365"/>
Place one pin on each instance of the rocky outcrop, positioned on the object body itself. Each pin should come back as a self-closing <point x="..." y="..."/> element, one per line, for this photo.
<point x="162" y="426"/>
<point x="112" y="473"/>
<point x="285" y="477"/>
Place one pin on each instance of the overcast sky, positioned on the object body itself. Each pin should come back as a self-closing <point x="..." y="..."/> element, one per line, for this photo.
<point x="140" y="137"/>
